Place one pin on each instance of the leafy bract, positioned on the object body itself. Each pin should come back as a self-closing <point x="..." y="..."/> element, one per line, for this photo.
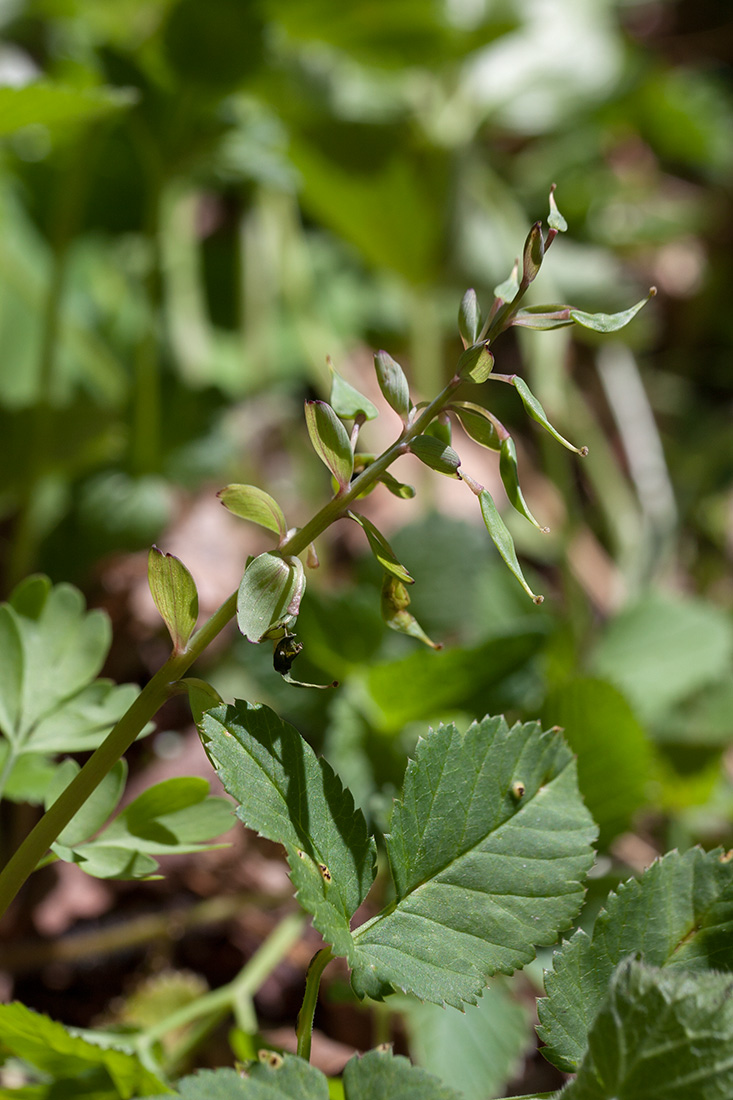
<point x="381" y="549"/>
<point x="52" y="650"/>
<point x="659" y="1035"/>
<point x="330" y="440"/>
<point x="503" y="541"/>
<point x="174" y="594"/>
<point x="72" y="1061"/>
<point x="250" y="502"/>
<point x="476" y="363"/>
<point x="489" y="843"/>
<point x="678" y="914"/>
<point x="346" y="401"/>
<point x="269" y="595"/>
<point x="292" y="797"/>
<point x="169" y="818"/>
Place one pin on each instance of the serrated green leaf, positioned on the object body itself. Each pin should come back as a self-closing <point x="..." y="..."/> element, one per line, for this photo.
<point x="503" y="540"/>
<point x="609" y="322"/>
<point x="659" y="1035"/>
<point x="379" y="1074"/>
<point x="346" y="401"/>
<point x="174" y="594"/>
<point x="290" y="1079"/>
<point x="269" y="595"/>
<point x="662" y="649"/>
<point x="97" y="809"/>
<point x="479" y="424"/>
<point x="603" y="732"/>
<point x="510" y="478"/>
<point x="469" y="318"/>
<point x="435" y="454"/>
<point x="393" y="384"/>
<point x="292" y="797"/>
<point x="68" y="1058"/>
<point x="555" y="219"/>
<point x="52" y="650"/>
<point x="250" y="502"/>
<point x="488" y="847"/>
<point x="678" y="914"/>
<point x="477" y="1051"/>
<point x="381" y="549"/>
<point x="330" y="440"/>
<point x="47" y="103"/>
<point x="535" y="410"/>
<point x="476" y="363"/>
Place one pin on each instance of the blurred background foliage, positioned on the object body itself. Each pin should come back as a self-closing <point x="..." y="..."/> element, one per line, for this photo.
<point x="200" y="201"/>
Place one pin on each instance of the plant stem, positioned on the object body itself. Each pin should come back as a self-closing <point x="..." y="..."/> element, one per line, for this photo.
<point x="304" y="1028"/>
<point x="35" y="846"/>
<point x="242" y="988"/>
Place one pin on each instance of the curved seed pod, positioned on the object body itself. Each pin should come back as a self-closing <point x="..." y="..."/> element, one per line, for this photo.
<point x="503" y="541"/>
<point x="381" y="549"/>
<point x="535" y="410"/>
<point x="510" y="478"/>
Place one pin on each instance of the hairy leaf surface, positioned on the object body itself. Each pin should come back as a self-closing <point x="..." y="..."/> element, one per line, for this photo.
<point x="659" y="1035"/>
<point x="679" y="914"/>
<point x="488" y="846"/>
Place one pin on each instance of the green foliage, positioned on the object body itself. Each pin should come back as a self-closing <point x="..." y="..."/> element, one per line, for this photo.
<point x="676" y="916"/>
<point x="330" y="441"/>
<point x="72" y="1066"/>
<point x="659" y="1034"/>
<point x="269" y="595"/>
<point x="49" y="103"/>
<point x="174" y="594"/>
<point x="250" y="502"/>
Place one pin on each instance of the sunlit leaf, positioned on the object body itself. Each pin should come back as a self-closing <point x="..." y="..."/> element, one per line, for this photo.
<point x="393" y="384"/>
<point x="174" y="594"/>
<point x="469" y="318"/>
<point x="346" y="401"/>
<point x="381" y="549"/>
<point x="610" y="322"/>
<point x="503" y="540"/>
<point x="435" y="454"/>
<point x="330" y="440"/>
<point x="510" y="478"/>
<point x="269" y="595"/>
<point x="537" y="413"/>
<point x="476" y="363"/>
<point x="250" y="502"/>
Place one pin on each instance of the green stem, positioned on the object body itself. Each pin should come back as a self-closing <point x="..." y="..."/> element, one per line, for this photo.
<point x="35" y="846"/>
<point x="240" y="989"/>
<point x="304" y="1028"/>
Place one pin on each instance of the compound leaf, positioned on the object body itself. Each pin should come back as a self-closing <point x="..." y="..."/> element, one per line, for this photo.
<point x="678" y="914"/>
<point x="488" y="846"/>
<point x="293" y="797"/>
